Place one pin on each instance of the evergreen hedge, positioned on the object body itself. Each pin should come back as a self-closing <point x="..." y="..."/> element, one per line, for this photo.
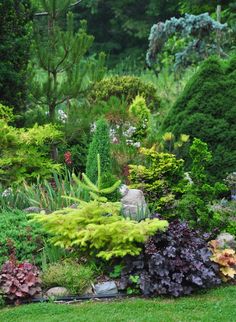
<point x="207" y="110"/>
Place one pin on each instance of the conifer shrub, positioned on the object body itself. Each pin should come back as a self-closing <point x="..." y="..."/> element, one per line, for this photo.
<point x="100" y="145"/>
<point x="207" y="110"/>
<point x="124" y="86"/>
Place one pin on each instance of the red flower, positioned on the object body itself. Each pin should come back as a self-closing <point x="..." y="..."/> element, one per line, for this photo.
<point x="67" y="157"/>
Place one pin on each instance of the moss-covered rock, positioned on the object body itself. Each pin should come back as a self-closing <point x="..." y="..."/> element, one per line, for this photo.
<point x="207" y="110"/>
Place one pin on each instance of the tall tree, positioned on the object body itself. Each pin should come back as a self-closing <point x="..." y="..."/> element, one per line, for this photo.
<point x="15" y="36"/>
<point x="66" y="72"/>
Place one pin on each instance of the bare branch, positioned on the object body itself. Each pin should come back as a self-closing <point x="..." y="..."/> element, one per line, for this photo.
<point x="41" y="14"/>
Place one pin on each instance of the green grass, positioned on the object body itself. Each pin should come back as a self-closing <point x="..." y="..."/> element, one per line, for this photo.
<point x="213" y="306"/>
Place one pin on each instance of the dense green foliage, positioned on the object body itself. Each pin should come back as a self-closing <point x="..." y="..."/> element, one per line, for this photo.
<point x="207" y="110"/>
<point x="15" y="38"/>
<point x="100" y="145"/>
<point x="76" y="278"/>
<point x="127" y="87"/>
<point x="19" y="237"/>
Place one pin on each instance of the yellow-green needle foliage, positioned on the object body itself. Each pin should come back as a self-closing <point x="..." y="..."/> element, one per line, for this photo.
<point x="97" y="228"/>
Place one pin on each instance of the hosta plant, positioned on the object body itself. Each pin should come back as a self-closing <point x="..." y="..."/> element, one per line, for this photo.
<point x="226" y="258"/>
<point x="19" y="281"/>
<point x="175" y="262"/>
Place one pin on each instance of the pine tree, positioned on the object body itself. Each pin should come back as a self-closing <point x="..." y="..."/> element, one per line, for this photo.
<point x="100" y="145"/>
<point x="61" y="56"/>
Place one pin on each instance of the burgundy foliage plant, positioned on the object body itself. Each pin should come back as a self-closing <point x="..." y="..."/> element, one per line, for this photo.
<point x="19" y="281"/>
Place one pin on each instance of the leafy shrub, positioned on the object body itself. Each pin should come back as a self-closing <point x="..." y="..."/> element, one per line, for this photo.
<point x="124" y="86"/>
<point x="20" y="237"/>
<point x="100" y="145"/>
<point x="96" y="227"/>
<point x="206" y="110"/>
<point x="76" y="278"/>
<point x="175" y="263"/>
<point x="19" y="281"/>
<point x="226" y="258"/>
<point x="199" y="194"/>
<point x="161" y="179"/>
<point x="24" y="153"/>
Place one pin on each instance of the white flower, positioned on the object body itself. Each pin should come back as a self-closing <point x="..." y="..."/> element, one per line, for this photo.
<point x="137" y="144"/>
<point x="7" y="192"/>
<point x="62" y="116"/>
<point x="93" y="127"/>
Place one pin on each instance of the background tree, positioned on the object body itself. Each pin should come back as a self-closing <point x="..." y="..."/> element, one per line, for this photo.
<point x="15" y="39"/>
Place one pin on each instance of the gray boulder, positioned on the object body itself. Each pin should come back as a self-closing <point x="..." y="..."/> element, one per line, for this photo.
<point x="133" y="204"/>
<point x="106" y="288"/>
<point x="226" y="240"/>
<point x="57" y="292"/>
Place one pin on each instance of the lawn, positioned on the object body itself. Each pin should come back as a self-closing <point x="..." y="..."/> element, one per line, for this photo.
<point x="215" y="305"/>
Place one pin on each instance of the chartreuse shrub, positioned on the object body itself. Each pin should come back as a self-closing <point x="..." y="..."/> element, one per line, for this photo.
<point x="161" y="179"/>
<point x="96" y="227"/>
<point x="20" y="237"/>
<point x="141" y="114"/>
<point x="75" y="277"/>
<point x="199" y="194"/>
<point x="24" y="153"/>
<point x="127" y="87"/>
<point x="207" y="110"/>
<point x="175" y="262"/>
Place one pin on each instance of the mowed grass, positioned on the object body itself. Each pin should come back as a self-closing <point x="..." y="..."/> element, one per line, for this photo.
<point x="215" y="305"/>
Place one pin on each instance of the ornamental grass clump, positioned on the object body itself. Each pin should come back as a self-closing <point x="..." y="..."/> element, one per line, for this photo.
<point x="174" y="263"/>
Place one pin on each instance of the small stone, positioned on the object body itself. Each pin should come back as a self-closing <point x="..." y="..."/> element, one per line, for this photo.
<point x="57" y="292"/>
<point x="33" y="210"/>
<point x="88" y="291"/>
<point x="226" y="240"/>
<point x="106" y="288"/>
